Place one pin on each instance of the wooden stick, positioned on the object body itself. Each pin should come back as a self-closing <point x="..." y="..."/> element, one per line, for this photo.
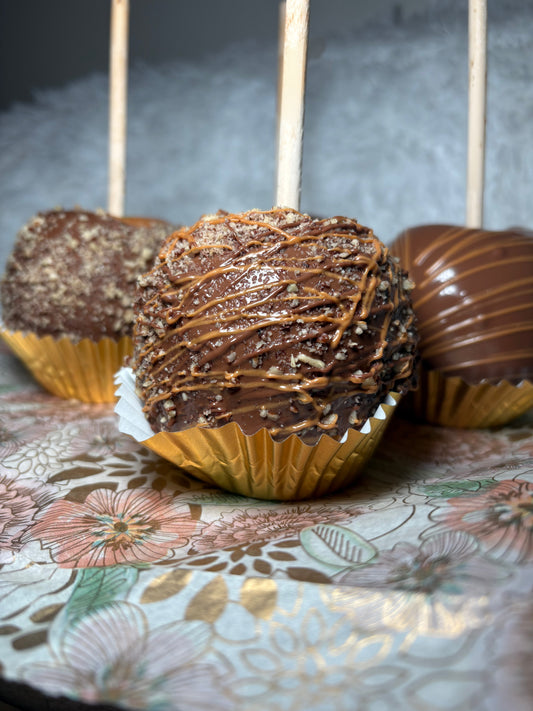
<point x="291" y="110"/>
<point x="118" y="93"/>
<point x="477" y="90"/>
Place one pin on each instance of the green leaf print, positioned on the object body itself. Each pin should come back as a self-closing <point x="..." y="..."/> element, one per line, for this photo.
<point x="453" y="489"/>
<point x="336" y="546"/>
<point x="94" y="588"/>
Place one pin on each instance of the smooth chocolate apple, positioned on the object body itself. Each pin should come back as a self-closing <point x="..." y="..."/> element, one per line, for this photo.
<point x="473" y="298"/>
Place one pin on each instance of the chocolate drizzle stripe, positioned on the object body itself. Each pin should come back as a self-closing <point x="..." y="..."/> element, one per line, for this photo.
<point x="489" y="361"/>
<point x="478" y="338"/>
<point x="460" y="330"/>
<point x="448" y="282"/>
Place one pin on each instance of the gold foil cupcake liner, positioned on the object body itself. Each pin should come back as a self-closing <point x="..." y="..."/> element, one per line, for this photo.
<point x="82" y="371"/>
<point x="451" y="402"/>
<point x="256" y="465"/>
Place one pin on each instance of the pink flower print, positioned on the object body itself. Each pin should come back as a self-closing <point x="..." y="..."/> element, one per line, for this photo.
<point x="18" y="429"/>
<point x="20" y="501"/>
<point x="447" y="561"/>
<point x="98" y="438"/>
<point x="501" y="518"/>
<point x="108" y="528"/>
<point x="44" y="406"/>
<point x="112" y="656"/>
<point x="245" y="526"/>
<point x="9" y="440"/>
<point x="450" y="451"/>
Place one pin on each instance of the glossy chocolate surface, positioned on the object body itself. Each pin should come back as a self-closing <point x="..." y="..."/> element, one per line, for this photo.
<point x="72" y="273"/>
<point x="473" y="299"/>
<point x="272" y="319"/>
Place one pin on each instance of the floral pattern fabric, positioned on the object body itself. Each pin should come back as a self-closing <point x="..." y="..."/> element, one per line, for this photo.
<point x="125" y="581"/>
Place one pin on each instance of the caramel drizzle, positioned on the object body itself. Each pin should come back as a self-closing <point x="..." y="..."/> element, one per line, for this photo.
<point x="213" y="328"/>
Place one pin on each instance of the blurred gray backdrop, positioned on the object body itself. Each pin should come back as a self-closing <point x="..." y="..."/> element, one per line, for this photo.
<point x="385" y="121"/>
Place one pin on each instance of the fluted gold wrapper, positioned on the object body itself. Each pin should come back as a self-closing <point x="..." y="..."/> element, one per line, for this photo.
<point x="83" y="371"/>
<point x="451" y="402"/>
<point x="256" y="465"/>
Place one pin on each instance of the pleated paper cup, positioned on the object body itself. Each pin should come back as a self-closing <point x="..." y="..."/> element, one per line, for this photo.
<point x="452" y="402"/>
<point x="256" y="465"/>
<point x="81" y="371"/>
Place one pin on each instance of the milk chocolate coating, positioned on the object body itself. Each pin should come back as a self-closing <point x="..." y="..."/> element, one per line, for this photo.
<point x="72" y="273"/>
<point x="473" y="299"/>
<point x="272" y="319"/>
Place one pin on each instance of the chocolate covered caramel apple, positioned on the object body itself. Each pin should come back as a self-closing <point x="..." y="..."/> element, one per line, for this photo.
<point x="272" y="319"/>
<point x="72" y="273"/>
<point x="473" y="299"/>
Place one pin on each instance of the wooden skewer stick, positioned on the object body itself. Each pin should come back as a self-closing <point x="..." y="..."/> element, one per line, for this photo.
<point x="292" y="101"/>
<point x="477" y="90"/>
<point x="118" y="93"/>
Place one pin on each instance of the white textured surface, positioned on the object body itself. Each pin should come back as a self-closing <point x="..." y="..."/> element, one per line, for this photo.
<point x="385" y="133"/>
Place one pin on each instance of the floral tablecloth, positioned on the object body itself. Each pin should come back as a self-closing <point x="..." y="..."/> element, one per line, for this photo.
<point x="125" y="582"/>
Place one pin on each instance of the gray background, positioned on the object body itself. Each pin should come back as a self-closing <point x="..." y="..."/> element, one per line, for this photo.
<point x="47" y="43"/>
<point x="385" y="122"/>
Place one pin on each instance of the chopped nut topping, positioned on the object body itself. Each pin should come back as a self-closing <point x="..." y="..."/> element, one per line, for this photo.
<point x="315" y="362"/>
